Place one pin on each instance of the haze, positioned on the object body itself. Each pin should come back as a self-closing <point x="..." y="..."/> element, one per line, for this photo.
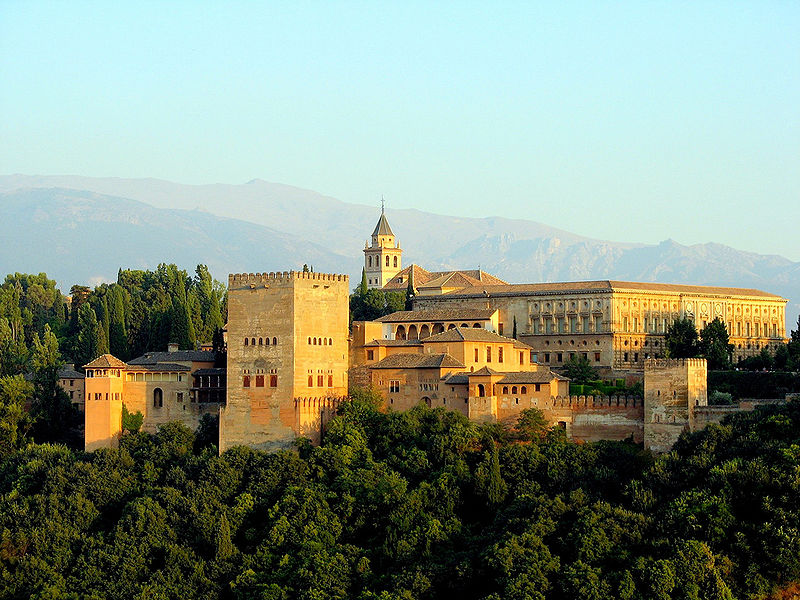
<point x="634" y="122"/>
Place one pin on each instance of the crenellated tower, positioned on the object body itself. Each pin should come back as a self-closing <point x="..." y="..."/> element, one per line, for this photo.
<point x="383" y="257"/>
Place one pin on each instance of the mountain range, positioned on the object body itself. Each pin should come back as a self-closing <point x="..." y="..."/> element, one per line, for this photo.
<point x="81" y="230"/>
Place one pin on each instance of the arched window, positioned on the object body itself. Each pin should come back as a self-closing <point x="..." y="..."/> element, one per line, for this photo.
<point x="253" y="341"/>
<point x="266" y="341"/>
<point x="513" y="389"/>
<point x="330" y="341"/>
<point x="260" y="341"/>
<point x="524" y="390"/>
<point x="309" y="341"/>
<point x="310" y="381"/>
<point x="387" y="260"/>
<point x="246" y="341"/>
<point x="395" y="261"/>
<point x="424" y="332"/>
<point x="274" y="341"/>
<point x="369" y="261"/>
<point x="315" y="342"/>
<point x="505" y="389"/>
<point x="481" y="391"/>
<point x="158" y="398"/>
<point x="412" y="332"/>
<point x="400" y="333"/>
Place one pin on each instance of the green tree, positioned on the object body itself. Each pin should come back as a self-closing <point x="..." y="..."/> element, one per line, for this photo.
<point x="15" y="421"/>
<point x="531" y="425"/>
<point x="87" y="346"/>
<point x="579" y="370"/>
<point x="681" y="339"/>
<point x="715" y="346"/>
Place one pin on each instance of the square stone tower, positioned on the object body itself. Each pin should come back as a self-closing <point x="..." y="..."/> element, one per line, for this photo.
<point x="287" y="357"/>
<point x="672" y="390"/>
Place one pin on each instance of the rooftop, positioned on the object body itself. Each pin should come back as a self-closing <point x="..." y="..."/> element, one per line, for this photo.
<point x="106" y="361"/>
<point x="473" y="334"/>
<point x="392" y="343"/>
<point x="606" y="285"/>
<point x="158" y="367"/>
<point x="422" y="278"/>
<point x="439" y="314"/>
<point x="542" y="376"/>
<point x="418" y="361"/>
<point x="151" y="358"/>
<point x="382" y="228"/>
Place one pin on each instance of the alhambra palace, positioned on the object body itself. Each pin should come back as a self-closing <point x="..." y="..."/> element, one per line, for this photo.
<point x="472" y="343"/>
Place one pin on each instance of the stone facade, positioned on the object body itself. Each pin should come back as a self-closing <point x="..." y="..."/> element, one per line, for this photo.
<point x="162" y="386"/>
<point x="673" y="392"/>
<point x="287" y="357"/>
<point x="617" y="324"/>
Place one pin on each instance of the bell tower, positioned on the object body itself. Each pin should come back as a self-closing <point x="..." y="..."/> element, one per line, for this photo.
<point x="383" y="257"/>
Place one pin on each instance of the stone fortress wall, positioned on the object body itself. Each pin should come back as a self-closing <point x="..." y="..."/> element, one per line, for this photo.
<point x="287" y="356"/>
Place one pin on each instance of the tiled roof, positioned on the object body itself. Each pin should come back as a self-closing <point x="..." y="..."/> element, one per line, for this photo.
<point x="439" y="314"/>
<point x="534" y="289"/>
<point x="152" y="358"/>
<point x="458" y="378"/>
<point x="391" y="343"/>
<point x="472" y="334"/>
<point x="542" y="376"/>
<point x="66" y="372"/>
<point x="485" y="371"/>
<point x="382" y="228"/>
<point x="418" y="361"/>
<point x="422" y="278"/>
<point x="106" y="361"/>
<point x="158" y="367"/>
<point x="461" y="279"/>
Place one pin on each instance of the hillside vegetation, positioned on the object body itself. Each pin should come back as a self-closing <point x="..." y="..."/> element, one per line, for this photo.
<point x="416" y="505"/>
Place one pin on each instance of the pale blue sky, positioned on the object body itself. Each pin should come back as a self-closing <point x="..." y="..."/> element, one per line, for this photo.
<point x="631" y="121"/>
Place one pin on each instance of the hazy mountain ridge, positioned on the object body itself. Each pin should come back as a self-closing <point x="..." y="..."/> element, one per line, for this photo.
<point x="83" y="229"/>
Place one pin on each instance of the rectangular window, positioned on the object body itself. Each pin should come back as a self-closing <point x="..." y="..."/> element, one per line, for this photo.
<point x="522" y="358"/>
<point x="476" y="355"/>
<point x="179" y="396"/>
<point x="538" y="387"/>
<point x="330" y="380"/>
<point x="370" y="355"/>
<point x="394" y="385"/>
<point x="548" y="326"/>
<point x="596" y="357"/>
<point x="625" y="357"/>
<point x="273" y="381"/>
<point x="499" y="355"/>
<point x="624" y="323"/>
<point x="586" y="325"/>
<point x="573" y="324"/>
<point x="488" y="354"/>
<point x="246" y="381"/>
<point x="559" y="357"/>
<point x="500" y="328"/>
<point x="598" y="323"/>
<point x="547" y="357"/>
<point x="259" y="381"/>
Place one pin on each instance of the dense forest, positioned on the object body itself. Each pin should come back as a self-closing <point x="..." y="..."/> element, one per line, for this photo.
<point x="416" y="505"/>
<point x="140" y="312"/>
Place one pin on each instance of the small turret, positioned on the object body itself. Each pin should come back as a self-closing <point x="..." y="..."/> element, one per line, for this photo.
<point x="383" y="259"/>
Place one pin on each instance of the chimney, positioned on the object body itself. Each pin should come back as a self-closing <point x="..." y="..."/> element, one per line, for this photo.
<point x="172" y="347"/>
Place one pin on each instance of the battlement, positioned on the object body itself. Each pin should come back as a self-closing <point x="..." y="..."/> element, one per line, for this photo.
<point x="261" y="279"/>
<point x="594" y="401"/>
<point x="651" y="364"/>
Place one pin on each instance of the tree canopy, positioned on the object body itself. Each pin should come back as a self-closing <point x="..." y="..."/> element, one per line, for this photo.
<point x="422" y="504"/>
